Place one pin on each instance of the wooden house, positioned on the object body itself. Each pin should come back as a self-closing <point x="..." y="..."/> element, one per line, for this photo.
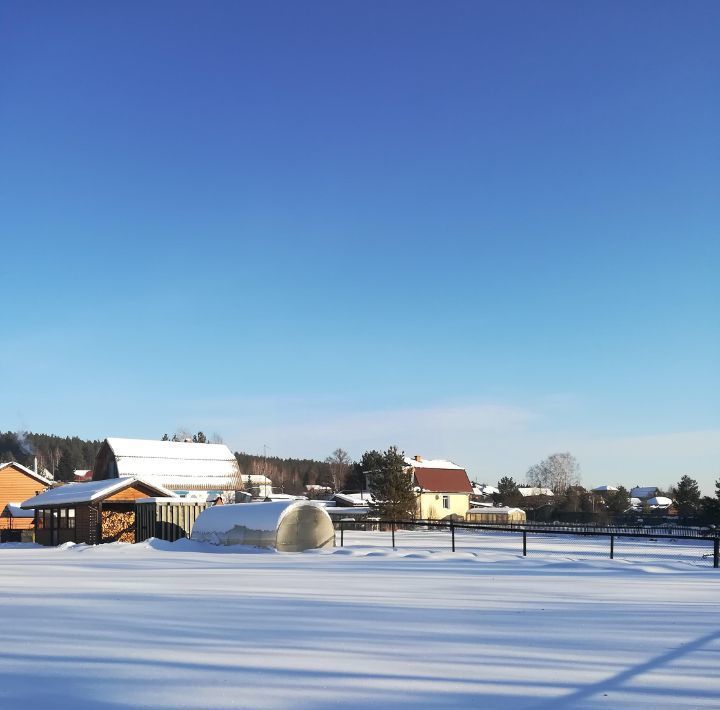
<point x="17" y="483"/>
<point x="94" y="512"/>
<point x="173" y="465"/>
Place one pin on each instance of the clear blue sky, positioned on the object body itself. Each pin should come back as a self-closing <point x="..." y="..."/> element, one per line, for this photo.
<point x="484" y="231"/>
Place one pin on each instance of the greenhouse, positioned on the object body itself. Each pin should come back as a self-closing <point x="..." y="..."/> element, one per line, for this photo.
<point x="287" y="526"/>
<point x="495" y="516"/>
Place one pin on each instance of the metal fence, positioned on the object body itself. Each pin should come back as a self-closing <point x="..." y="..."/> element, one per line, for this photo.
<point x="691" y="545"/>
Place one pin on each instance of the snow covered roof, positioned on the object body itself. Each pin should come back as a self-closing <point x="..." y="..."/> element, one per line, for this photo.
<point x="527" y="492"/>
<point x="496" y="511"/>
<point x="482" y="489"/>
<point x="177" y="464"/>
<point x="604" y="489"/>
<point x="74" y="493"/>
<point x="660" y="502"/>
<point x="643" y="491"/>
<point x="358" y="499"/>
<point x="431" y="463"/>
<point x="27" y="471"/>
<point x="16" y="511"/>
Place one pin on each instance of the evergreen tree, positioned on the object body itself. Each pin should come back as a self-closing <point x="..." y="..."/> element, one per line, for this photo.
<point x="509" y="494"/>
<point x="618" y="501"/>
<point x="66" y="466"/>
<point x="200" y="438"/>
<point x="687" y="496"/>
<point x="165" y="438"/>
<point x="391" y="486"/>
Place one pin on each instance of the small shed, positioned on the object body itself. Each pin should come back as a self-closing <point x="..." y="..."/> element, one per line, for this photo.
<point x="94" y="512"/>
<point x="288" y="526"/>
<point x="495" y="516"/>
<point x="168" y="518"/>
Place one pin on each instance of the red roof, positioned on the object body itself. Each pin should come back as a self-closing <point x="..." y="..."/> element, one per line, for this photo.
<point x="443" y="480"/>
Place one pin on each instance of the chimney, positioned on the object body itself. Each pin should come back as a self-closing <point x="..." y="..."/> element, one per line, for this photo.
<point x="36" y="464"/>
<point x="418" y="458"/>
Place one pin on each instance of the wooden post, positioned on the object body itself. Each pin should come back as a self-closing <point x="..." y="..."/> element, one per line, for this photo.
<point x="524" y="543"/>
<point x="392" y="527"/>
<point x="452" y="533"/>
<point x="342" y="533"/>
<point x="716" y="552"/>
<point x="612" y="547"/>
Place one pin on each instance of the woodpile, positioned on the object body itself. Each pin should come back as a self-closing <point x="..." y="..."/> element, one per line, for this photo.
<point x="118" y="526"/>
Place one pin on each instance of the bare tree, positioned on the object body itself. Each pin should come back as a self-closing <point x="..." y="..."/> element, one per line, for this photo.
<point x="340" y="462"/>
<point x="557" y="472"/>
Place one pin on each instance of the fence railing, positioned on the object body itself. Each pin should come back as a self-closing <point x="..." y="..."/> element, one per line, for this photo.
<point x="689" y="544"/>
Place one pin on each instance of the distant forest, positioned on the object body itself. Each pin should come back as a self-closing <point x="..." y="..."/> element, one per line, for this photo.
<point x="61" y="456"/>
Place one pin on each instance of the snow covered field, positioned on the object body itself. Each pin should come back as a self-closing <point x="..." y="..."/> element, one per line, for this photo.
<point x="160" y="625"/>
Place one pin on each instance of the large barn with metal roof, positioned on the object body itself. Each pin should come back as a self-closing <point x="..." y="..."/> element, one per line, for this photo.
<point x="175" y="465"/>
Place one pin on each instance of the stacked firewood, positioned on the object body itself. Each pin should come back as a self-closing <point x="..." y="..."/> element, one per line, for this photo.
<point x="117" y="526"/>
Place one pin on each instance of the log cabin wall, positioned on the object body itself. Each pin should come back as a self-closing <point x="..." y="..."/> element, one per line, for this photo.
<point x="17" y="486"/>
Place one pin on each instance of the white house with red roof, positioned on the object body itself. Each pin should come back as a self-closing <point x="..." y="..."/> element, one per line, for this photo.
<point x="443" y="488"/>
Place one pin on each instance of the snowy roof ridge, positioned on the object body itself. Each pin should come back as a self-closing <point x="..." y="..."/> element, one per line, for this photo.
<point x="87" y="492"/>
<point x="432" y="463"/>
<point x="155" y="449"/>
<point x="27" y="471"/>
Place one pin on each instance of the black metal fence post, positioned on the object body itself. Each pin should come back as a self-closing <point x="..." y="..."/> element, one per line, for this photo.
<point x="392" y="527"/>
<point x="342" y="534"/>
<point x="452" y="532"/>
<point x="524" y="543"/>
<point x="612" y="547"/>
<point x="716" y="552"/>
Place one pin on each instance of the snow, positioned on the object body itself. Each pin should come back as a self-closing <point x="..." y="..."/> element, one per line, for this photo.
<point x="17" y="512"/>
<point x="176" y="464"/>
<point x="253" y="516"/>
<point x="359" y="499"/>
<point x="499" y="511"/>
<point x="660" y="501"/>
<point x="432" y="463"/>
<point x="47" y="480"/>
<point x="643" y="491"/>
<point x="529" y="492"/>
<point x="166" y="625"/>
<point x="83" y="492"/>
<point x="604" y="489"/>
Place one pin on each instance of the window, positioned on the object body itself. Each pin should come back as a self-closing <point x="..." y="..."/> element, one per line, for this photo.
<point x="446" y="502"/>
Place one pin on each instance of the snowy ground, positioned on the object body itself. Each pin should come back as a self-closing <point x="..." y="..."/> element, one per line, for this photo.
<point x="162" y="625"/>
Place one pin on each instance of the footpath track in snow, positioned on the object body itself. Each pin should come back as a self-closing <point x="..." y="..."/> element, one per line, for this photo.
<point x="160" y="625"/>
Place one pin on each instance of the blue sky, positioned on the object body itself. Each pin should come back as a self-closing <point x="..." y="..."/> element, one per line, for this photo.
<point x="480" y="231"/>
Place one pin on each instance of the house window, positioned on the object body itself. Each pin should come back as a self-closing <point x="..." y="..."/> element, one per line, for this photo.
<point x="446" y="502"/>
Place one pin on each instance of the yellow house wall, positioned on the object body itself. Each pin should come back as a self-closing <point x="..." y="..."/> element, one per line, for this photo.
<point x="430" y="508"/>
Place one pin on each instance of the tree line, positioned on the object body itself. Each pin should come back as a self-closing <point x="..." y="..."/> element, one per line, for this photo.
<point x="58" y="455"/>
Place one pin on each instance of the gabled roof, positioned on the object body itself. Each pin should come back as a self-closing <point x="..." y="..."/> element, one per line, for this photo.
<point x="15" y="511"/>
<point x="432" y="463"/>
<point x="74" y="493"/>
<point x="643" y="491"/>
<point x="604" y="489"/>
<point x="443" y="480"/>
<point x="176" y="464"/>
<point x="27" y="471"/>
